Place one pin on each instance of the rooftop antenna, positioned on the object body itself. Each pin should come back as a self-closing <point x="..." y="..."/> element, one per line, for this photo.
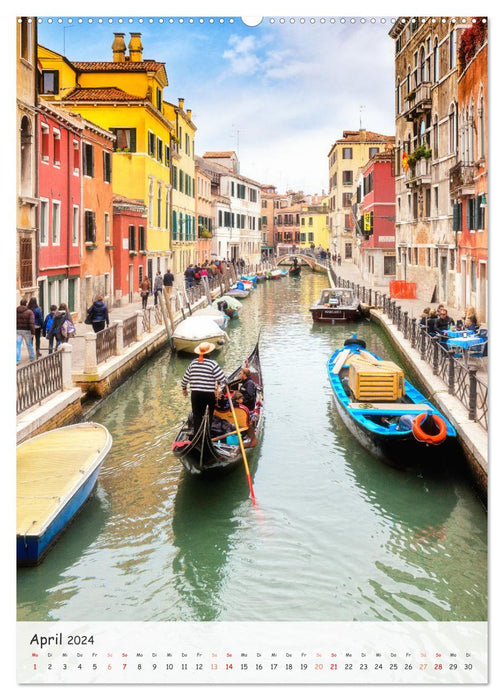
<point x="360" y="115"/>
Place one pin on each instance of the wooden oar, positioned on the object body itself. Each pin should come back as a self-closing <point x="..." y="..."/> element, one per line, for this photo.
<point x="242" y="448"/>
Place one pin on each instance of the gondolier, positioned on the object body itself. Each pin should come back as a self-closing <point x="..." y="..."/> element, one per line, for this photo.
<point x="202" y="374"/>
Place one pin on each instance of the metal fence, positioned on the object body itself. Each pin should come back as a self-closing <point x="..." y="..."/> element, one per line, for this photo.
<point x="460" y="379"/>
<point x="129" y="330"/>
<point x="38" y="380"/>
<point x="106" y="343"/>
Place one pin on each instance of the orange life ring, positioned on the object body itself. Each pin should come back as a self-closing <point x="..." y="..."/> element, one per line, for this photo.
<point x="422" y="436"/>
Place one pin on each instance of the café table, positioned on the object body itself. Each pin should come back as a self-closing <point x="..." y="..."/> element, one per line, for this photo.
<point x="470" y="340"/>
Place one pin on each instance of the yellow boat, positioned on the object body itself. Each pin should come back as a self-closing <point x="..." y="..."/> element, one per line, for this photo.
<point x="56" y="472"/>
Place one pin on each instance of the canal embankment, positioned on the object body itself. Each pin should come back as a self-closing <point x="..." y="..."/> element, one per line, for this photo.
<point x="86" y="384"/>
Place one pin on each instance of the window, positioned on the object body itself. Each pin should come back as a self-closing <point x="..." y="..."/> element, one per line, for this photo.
<point x="457" y="216"/>
<point x="44" y="146"/>
<point x="107" y="167"/>
<point x="348" y="153"/>
<point x="151" y="144"/>
<point x="49" y="82"/>
<point x="56" y="147"/>
<point x="87" y="160"/>
<point x="373" y="151"/>
<point x="76" y="157"/>
<point x="473" y="276"/>
<point x="389" y="265"/>
<point x="348" y="222"/>
<point x="160" y="150"/>
<point x="141" y="238"/>
<point x="452" y="130"/>
<point x="452" y="258"/>
<point x="480" y="213"/>
<point x="167" y="155"/>
<point x="125" y="139"/>
<point x="347" y="177"/>
<point x="436" y="61"/>
<point x="131" y="238"/>
<point x="89" y="226"/>
<point x="427" y="202"/>
<point x="174" y="176"/>
<point x="159" y="101"/>
<point x="252" y="195"/>
<point x="56" y="223"/>
<point x="347" y="199"/>
<point x="44" y="222"/>
<point x="481" y="130"/>
<point x="26" y="36"/>
<point x="75" y="225"/>
<point x="240" y="191"/>
<point x="159" y="203"/>
<point x="453" y="48"/>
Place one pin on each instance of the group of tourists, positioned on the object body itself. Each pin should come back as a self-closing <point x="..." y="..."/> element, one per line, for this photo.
<point x="437" y="321"/>
<point x="57" y="327"/>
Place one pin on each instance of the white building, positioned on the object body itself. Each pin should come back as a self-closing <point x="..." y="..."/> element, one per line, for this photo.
<point x="236" y="201"/>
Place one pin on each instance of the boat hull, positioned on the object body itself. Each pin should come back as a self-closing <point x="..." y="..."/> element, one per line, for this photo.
<point x="396" y="447"/>
<point x="31" y="549"/>
<point x="336" y="315"/>
<point x="188" y="345"/>
<point x="56" y="472"/>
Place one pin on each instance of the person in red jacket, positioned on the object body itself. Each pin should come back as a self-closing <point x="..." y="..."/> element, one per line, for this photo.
<point x="25" y="329"/>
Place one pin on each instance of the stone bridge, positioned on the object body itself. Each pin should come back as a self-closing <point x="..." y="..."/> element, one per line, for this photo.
<point x="308" y="259"/>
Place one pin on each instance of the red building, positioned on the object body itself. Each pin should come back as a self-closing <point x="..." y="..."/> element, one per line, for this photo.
<point x="60" y="207"/>
<point x="374" y="215"/>
<point x="129" y="224"/>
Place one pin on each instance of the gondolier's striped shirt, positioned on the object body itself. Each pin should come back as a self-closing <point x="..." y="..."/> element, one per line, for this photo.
<point x="202" y="376"/>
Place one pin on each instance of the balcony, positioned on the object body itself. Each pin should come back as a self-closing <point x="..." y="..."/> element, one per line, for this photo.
<point x="418" y="101"/>
<point x="462" y="180"/>
<point x="419" y="173"/>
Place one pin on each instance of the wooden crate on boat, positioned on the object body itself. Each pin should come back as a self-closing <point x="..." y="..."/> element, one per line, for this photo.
<point x="375" y="380"/>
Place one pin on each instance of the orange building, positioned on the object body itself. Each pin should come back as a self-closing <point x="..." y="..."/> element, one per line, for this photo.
<point x="469" y="176"/>
<point x="97" y="212"/>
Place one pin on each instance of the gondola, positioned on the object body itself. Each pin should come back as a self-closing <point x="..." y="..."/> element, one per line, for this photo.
<point x="295" y="270"/>
<point x="215" y="448"/>
<point x="387" y="414"/>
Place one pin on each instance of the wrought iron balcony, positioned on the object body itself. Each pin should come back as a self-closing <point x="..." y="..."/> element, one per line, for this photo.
<point x="462" y="179"/>
<point x="419" y="100"/>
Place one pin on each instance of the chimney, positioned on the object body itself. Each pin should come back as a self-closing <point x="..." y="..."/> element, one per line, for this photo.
<point x="135" y="47"/>
<point x="181" y="102"/>
<point x="189" y="114"/>
<point x="118" y="48"/>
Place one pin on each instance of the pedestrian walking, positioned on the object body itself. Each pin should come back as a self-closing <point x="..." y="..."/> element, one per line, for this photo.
<point x="203" y="374"/>
<point x="46" y="328"/>
<point x="25" y="329"/>
<point x="158" y="286"/>
<point x="168" y="280"/>
<point x="189" y="276"/>
<point x="98" y="315"/>
<point x="39" y="322"/>
<point x="62" y="325"/>
<point x="144" y="291"/>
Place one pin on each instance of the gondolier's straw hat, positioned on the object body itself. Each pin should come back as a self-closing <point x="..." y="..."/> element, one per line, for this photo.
<point x="203" y="349"/>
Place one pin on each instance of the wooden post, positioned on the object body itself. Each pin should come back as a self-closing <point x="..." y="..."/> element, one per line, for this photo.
<point x="168" y="308"/>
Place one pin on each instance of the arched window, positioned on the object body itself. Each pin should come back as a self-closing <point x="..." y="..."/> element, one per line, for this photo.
<point x="26" y="156"/>
<point x="436" y="60"/>
<point x="481" y="127"/>
<point x="398" y="97"/>
<point x="423" y="77"/>
<point x="452" y="123"/>
<point x="435" y="137"/>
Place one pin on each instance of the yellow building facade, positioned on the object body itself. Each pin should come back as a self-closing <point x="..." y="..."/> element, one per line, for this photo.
<point x="184" y="225"/>
<point x="314" y="225"/>
<point x="125" y="96"/>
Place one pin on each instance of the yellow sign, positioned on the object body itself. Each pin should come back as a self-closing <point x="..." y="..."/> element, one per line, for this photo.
<point x="367" y="221"/>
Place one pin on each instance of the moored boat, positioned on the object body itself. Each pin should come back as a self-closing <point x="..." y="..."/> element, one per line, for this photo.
<point x="215" y="448"/>
<point x="277" y="274"/>
<point x="217" y="316"/>
<point x="229" y="305"/>
<point x="336" y="304"/>
<point x="194" y="330"/>
<point x="386" y="413"/>
<point x="56" y="472"/>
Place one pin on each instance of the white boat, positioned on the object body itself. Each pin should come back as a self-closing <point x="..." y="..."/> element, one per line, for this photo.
<point x="219" y="317"/>
<point x="196" y="329"/>
<point x="277" y="274"/>
<point x="56" y="472"/>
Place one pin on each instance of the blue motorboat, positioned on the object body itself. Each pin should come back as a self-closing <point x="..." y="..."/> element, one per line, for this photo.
<point x="387" y="414"/>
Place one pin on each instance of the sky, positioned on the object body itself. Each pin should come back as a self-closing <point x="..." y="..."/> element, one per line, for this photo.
<point x="279" y="93"/>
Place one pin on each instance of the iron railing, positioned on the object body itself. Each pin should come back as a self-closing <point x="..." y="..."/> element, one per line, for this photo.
<point x="129" y="330"/>
<point x="460" y="379"/>
<point x="38" y="380"/>
<point x="106" y="343"/>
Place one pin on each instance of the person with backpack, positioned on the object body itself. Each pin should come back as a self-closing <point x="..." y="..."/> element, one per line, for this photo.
<point x="62" y="326"/>
<point x="46" y="327"/>
<point x="158" y="286"/>
<point x="98" y="314"/>
<point x="39" y="322"/>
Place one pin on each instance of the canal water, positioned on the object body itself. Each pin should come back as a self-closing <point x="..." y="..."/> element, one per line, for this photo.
<point x="335" y="534"/>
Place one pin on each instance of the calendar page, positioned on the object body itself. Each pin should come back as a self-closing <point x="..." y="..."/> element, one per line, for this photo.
<point x="315" y="187"/>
